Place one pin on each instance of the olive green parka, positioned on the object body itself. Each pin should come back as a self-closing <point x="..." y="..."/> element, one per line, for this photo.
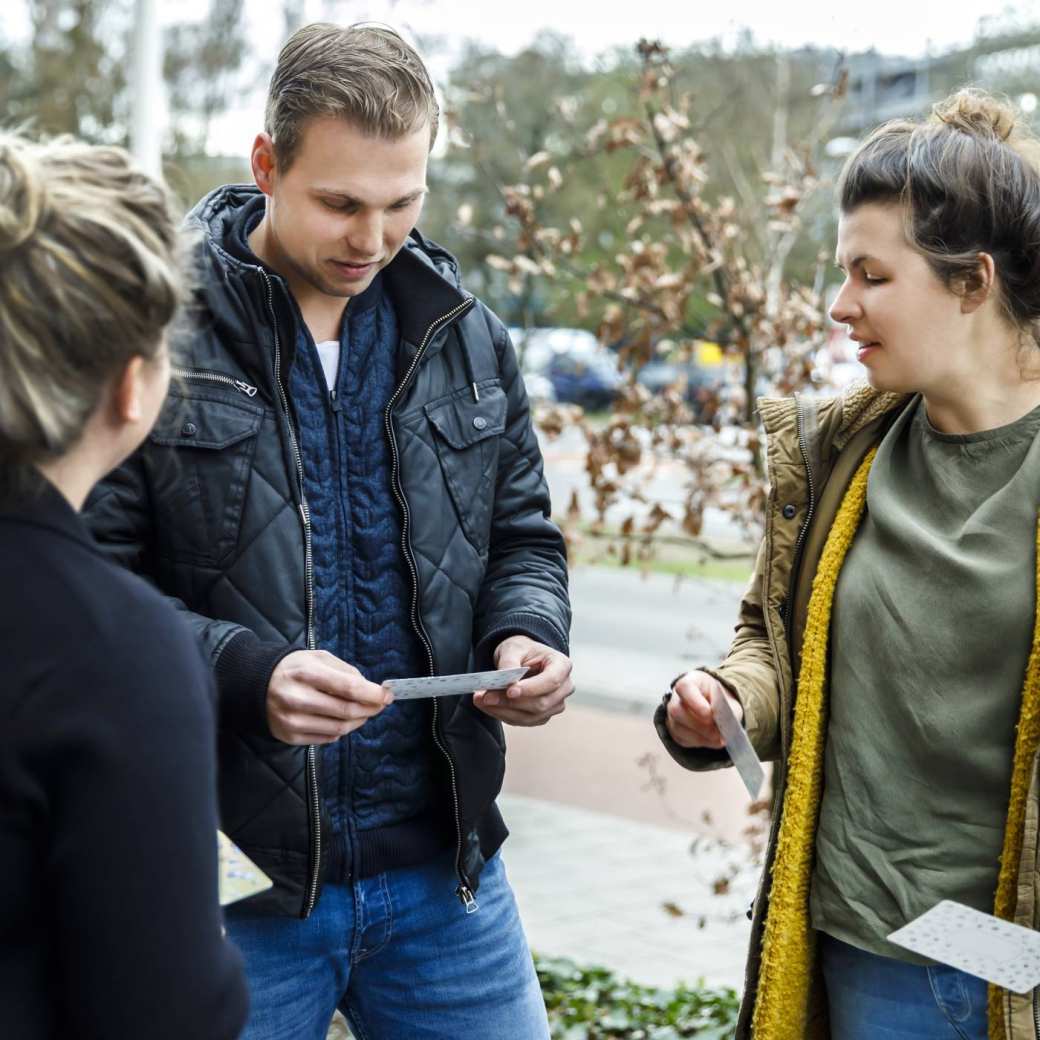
<point x="818" y="455"/>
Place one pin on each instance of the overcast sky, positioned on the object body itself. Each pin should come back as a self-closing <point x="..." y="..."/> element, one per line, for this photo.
<point x="892" y="26"/>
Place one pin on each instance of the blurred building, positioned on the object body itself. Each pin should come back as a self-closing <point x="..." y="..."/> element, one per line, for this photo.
<point x="1005" y="57"/>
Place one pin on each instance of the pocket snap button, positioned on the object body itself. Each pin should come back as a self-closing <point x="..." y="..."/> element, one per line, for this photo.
<point x="789" y="511"/>
<point x="479" y="422"/>
<point x="189" y="429"/>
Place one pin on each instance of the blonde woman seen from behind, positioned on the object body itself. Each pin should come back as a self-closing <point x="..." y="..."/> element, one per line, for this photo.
<point x="887" y="653"/>
<point x="109" y="923"/>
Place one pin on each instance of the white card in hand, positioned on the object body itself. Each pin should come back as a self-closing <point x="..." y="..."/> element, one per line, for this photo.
<point x="748" y="764"/>
<point x="452" y="685"/>
<point x="982" y="945"/>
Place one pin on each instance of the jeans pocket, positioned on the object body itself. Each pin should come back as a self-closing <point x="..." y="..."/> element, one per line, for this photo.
<point x="951" y="993"/>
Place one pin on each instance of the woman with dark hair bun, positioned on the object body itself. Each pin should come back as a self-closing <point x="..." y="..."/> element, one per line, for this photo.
<point x="109" y="922"/>
<point x="887" y="653"/>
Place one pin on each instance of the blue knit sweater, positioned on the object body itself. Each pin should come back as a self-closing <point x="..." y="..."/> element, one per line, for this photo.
<point x="380" y="777"/>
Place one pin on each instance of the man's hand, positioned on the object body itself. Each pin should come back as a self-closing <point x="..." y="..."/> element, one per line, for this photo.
<point x="689" y="719"/>
<point x="538" y="696"/>
<point x="315" y="698"/>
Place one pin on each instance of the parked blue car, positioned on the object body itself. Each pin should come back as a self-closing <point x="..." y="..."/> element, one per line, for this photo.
<point x="581" y="370"/>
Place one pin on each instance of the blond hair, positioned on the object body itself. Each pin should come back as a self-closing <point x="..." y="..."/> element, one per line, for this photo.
<point x="89" y="278"/>
<point x="365" y="74"/>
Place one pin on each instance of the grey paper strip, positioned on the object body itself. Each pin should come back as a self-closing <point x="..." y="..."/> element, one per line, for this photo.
<point x="452" y="685"/>
<point x="739" y="747"/>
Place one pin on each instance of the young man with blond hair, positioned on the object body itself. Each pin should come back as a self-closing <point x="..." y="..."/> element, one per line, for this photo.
<point x="345" y="487"/>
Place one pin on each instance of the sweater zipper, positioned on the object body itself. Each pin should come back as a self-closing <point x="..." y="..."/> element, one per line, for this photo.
<point x="308" y="572"/>
<point x="810" y="511"/>
<point x="196" y="375"/>
<point x="464" y="891"/>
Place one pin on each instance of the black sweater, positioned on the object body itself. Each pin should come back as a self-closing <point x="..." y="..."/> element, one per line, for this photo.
<point x="109" y="923"/>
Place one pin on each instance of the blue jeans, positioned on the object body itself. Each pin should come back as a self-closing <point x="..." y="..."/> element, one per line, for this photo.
<point x="879" y="998"/>
<point x="400" y="957"/>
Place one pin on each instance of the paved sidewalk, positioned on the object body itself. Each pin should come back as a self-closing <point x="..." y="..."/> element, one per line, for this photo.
<point x="594" y="887"/>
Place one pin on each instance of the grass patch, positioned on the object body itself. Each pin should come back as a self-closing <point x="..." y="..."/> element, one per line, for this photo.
<point x="586" y="1003"/>
<point x="737" y="570"/>
<point x="593" y="1004"/>
<point x="675" y="557"/>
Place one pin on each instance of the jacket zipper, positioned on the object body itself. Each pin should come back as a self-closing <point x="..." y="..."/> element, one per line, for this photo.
<point x="810" y="511"/>
<point x="308" y="572"/>
<point x="464" y="891"/>
<point x="196" y="375"/>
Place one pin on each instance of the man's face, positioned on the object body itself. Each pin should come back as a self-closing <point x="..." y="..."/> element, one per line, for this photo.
<point x="345" y="205"/>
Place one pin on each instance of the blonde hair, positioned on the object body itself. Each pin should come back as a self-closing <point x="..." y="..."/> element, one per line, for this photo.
<point x="365" y="74"/>
<point x="89" y="278"/>
<point x="968" y="178"/>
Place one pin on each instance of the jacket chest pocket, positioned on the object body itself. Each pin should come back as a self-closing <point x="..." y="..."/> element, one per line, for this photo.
<point x="467" y="436"/>
<point x="201" y="450"/>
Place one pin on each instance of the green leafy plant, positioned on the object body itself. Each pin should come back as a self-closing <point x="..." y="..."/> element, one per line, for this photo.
<point x="593" y="1004"/>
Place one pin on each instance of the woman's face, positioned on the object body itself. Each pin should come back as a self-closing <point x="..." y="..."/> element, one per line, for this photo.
<point x="910" y="328"/>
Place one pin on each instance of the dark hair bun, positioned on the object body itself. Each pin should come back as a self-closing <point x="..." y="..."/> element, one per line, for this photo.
<point x="973" y="112"/>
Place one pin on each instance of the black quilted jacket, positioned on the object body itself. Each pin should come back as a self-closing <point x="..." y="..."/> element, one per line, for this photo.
<point x="211" y="508"/>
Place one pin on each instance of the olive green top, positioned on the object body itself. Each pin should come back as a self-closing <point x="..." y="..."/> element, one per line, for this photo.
<point x="930" y="637"/>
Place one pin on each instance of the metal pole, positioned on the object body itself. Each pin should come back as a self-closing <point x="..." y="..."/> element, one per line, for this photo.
<point x="146" y="83"/>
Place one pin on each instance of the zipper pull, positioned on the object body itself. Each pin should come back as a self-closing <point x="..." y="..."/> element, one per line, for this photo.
<point x="249" y="391"/>
<point x="466" y="896"/>
<point x="476" y="392"/>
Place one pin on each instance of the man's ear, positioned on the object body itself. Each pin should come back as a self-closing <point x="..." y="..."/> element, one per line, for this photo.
<point x="979" y="285"/>
<point x="127" y="399"/>
<point x="262" y="163"/>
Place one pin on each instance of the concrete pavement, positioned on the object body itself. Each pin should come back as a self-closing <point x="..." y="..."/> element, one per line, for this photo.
<point x="628" y="896"/>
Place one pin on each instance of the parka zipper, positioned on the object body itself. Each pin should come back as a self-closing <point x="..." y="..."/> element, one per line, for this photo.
<point x="803" y="532"/>
<point x="308" y="572"/>
<point x="464" y="890"/>
<point x="196" y="375"/>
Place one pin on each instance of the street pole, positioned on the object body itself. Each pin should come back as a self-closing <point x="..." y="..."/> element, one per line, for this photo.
<point x="146" y="85"/>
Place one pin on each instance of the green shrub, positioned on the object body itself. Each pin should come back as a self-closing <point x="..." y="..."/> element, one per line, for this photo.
<point x="593" y="1004"/>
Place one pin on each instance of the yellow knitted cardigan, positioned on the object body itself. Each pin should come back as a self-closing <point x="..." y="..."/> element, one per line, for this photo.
<point x="783" y="998"/>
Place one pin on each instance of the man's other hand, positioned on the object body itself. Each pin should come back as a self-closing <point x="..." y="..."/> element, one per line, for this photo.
<point x="539" y="695"/>
<point x="315" y="698"/>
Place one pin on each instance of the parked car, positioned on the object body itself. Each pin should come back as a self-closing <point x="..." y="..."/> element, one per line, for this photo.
<point x="579" y="368"/>
<point x="539" y="387"/>
<point x="702" y="380"/>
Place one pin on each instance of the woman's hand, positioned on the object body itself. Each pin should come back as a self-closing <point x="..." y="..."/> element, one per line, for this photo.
<point x="689" y="717"/>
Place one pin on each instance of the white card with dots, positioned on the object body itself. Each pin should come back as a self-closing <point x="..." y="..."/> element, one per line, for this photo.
<point x="982" y="945"/>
